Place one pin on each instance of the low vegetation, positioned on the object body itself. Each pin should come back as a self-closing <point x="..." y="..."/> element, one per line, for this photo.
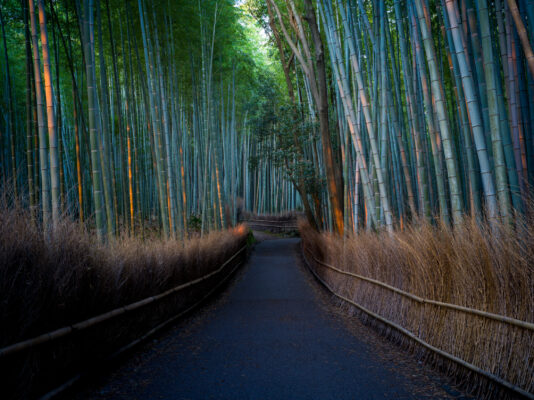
<point x="47" y="282"/>
<point x="488" y="269"/>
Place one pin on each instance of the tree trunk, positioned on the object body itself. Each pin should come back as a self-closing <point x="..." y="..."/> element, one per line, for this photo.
<point x="10" y="104"/>
<point x="333" y="169"/>
<point x="51" y="118"/>
<point x="43" y="140"/>
<point x="88" y="45"/>
<point x="523" y="35"/>
<point x="29" y="111"/>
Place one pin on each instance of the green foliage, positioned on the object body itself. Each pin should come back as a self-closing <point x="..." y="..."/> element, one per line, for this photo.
<point x="251" y="240"/>
<point x="237" y="42"/>
<point x="285" y="132"/>
<point x="194" y="223"/>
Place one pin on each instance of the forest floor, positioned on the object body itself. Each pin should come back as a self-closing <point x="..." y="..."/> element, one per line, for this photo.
<point x="273" y="334"/>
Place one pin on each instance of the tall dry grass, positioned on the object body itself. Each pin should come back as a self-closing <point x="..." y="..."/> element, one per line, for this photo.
<point x="472" y="265"/>
<point x="66" y="277"/>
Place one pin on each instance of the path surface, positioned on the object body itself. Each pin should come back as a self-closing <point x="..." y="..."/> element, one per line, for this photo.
<point x="271" y="336"/>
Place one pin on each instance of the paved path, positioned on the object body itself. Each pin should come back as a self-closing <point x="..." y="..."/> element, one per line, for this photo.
<point x="271" y="336"/>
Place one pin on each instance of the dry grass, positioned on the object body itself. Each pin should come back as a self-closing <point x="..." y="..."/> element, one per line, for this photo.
<point x="69" y="277"/>
<point x="471" y="266"/>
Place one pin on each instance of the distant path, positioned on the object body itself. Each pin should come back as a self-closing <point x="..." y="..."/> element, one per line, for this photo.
<point x="272" y="336"/>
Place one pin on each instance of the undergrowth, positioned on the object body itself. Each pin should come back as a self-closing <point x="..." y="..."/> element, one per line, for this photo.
<point x="473" y="265"/>
<point x="65" y="276"/>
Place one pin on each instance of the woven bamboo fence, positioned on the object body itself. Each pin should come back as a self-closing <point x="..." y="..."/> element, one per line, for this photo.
<point x="439" y="327"/>
<point x="42" y="364"/>
<point x="272" y="223"/>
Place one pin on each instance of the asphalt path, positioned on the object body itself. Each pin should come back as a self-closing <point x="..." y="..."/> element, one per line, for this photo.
<point x="274" y="334"/>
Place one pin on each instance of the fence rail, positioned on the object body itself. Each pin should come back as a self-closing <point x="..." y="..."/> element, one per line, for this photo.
<point x="474" y="311"/>
<point x="488" y="375"/>
<point x="69" y="383"/>
<point x="67" y="330"/>
<point x="271" y="224"/>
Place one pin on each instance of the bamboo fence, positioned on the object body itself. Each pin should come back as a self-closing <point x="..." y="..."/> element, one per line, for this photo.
<point x="507" y="320"/>
<point x="67" y="330"/>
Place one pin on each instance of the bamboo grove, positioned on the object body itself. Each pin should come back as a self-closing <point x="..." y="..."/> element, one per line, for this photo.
<point x="366" y="114"/>
<point x="423" y="108"/>
<point x="128" y="115"/>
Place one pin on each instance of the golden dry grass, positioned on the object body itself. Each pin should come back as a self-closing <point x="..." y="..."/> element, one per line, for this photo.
<point x="472" y="266"/>
<point x="67" y="277"/>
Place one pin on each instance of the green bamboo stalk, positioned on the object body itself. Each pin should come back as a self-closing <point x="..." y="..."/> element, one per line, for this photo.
<point x="474" y="114"/>
<point x="50" y="117"/>
<point x="88" y="44"/>
<point x="43" y="139"/>
<point x="29" y="111"/>
<point x="10" y="117"/>
<point x="491" y="78"/>
<point x="155" y="124"/>
<point x="440" y="109"/>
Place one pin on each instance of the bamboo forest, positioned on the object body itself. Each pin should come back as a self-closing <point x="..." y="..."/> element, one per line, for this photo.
<point x="149" y="148"/>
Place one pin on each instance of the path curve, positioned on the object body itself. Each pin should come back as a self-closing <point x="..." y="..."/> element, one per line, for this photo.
<point x="271" y="337"/>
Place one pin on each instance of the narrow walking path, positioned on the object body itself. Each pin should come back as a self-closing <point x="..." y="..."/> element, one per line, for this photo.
<point x="270" y="337"/>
